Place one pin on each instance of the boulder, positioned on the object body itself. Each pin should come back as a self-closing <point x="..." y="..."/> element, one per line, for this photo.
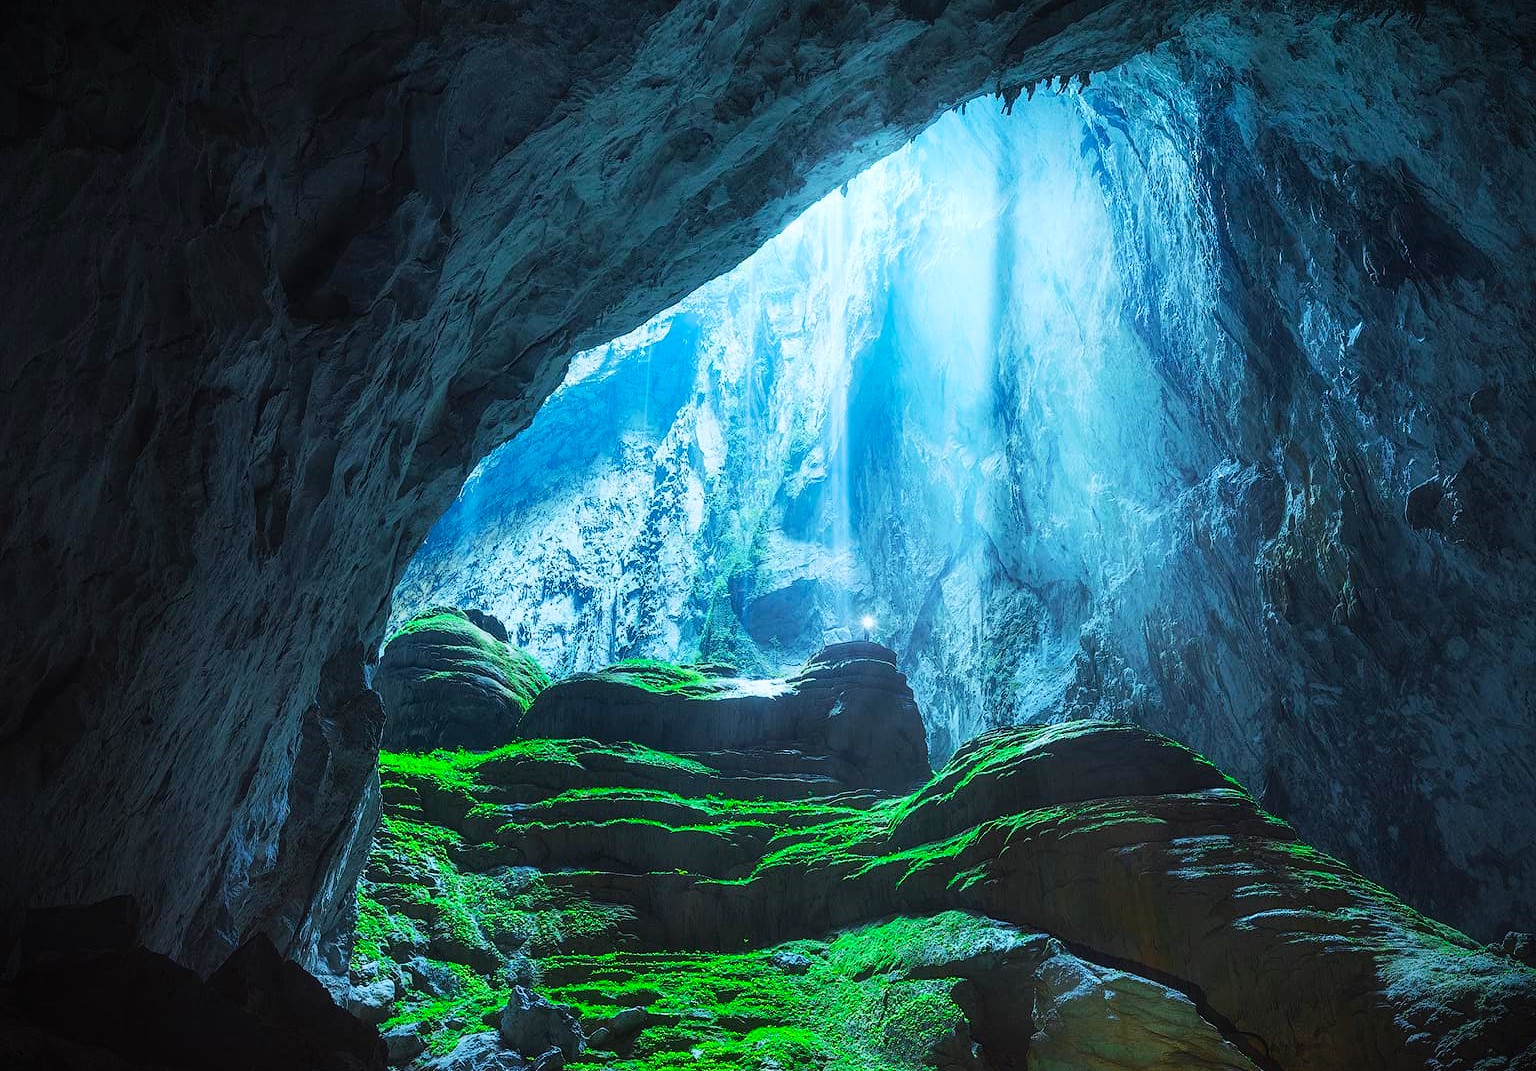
<point x="618" y="1028"/>
<point x="448" y="682"/>
<point x="372" y="1003"/>
<point x="431" y="977"/>
<point x="403" y="1043"/>
<point x="1093" y="1018"/>
<point x="791" y="962"/>
<point x="478" y="1052"/>
<point x="856" y="703"/>
<point x="1519" y="946"/>
<point x="850" y="707"/>
<point x="531" y="1024"/>
<point x="550" y="1059"/>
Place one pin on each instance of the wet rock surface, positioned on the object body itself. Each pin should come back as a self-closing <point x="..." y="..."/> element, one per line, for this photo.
<point x="1082" y="895"/>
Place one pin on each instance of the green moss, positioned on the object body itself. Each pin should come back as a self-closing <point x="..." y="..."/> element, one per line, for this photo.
<point x="380" y="930"/>
<point x="1003" y="753"/>
<point x="910" y="944"/>
<point x="444" y="1020"/>
<point x="843" y="837"/>
<point x="463" y="643"/>
<point x="693" y="681"/>
<point x="433" y="619"/>
<point x="723" y="637"/>
<point x="876" y="997"/>
<point x="466" y="772"/>
<point x="782" y="815"/>
<point x="853" y="1008"/>
<point x="738" y="537"/>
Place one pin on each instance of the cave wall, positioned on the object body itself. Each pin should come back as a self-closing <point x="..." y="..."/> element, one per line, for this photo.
<point x="1287" y="516"/>
<point x="288" y="272"/>
<point x="1211" y="411"/>
<point x="1371" y="675"/>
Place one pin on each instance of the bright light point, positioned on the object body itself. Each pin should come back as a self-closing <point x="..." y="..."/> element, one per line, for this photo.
<point x="868" y="622"/>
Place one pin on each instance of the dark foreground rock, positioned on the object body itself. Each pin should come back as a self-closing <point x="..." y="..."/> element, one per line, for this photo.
<point x="531" y="1024"/>
<point x="449" y="678"/>
<point x="1084" y="895"/>
<point x="95" y="999"/>
<point x="848" y="716"/>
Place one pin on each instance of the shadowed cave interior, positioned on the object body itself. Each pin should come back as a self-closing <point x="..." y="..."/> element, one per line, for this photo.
<point x="770" y="536"/>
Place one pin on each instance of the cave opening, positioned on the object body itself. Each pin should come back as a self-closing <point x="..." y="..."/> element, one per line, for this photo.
<point x="934" y="410"/>
<point x="969" y="535"/>
<point x="920" y="424"/>
<point x="969" y="434"/>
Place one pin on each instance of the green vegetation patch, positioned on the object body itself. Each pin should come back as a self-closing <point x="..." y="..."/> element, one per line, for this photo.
<point x="469" y="772"/>
<point x="459" y="642"/>
<point x="691" y="681"/>
<point x="848" y="1005"/>
<point x="439" y="901"/>
<point x="781" y="817"/>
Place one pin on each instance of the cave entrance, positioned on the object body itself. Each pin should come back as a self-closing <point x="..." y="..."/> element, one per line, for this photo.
<point x="905" y="420"/>
<point x="927" y="412"/>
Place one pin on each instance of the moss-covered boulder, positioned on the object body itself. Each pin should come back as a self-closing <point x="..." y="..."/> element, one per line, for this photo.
<point x="449" y="678"/>
<point x="847" y="717"/>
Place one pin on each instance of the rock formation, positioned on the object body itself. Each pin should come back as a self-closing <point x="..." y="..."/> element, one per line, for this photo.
<point x="289" y="271"/>
<point x="1084" y="895"/>
<point x="848" y="714"/>
<point x="281" y="273"/>
<point x="448" y="678"/>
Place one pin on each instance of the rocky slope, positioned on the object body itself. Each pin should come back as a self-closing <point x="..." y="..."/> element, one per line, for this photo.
<point x="1082" y="895"/>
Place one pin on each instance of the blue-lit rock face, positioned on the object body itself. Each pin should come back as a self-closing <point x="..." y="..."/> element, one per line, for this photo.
<point x="1197" y="396"/>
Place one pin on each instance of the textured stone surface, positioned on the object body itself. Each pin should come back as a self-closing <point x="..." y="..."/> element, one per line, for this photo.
<point x="531" y="1025"/>
<point x="289" y="270"/>
<point x="403" y="1043"/>
<point x="848" y="715"/>
<point x="478" y="1052"/>
<point x="1091" y="1018"/>
<point x="1147" y="911"/>
<point x="449" y="680"/>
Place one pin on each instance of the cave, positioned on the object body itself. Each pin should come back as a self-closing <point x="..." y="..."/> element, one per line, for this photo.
<point x="769" y="534"/>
